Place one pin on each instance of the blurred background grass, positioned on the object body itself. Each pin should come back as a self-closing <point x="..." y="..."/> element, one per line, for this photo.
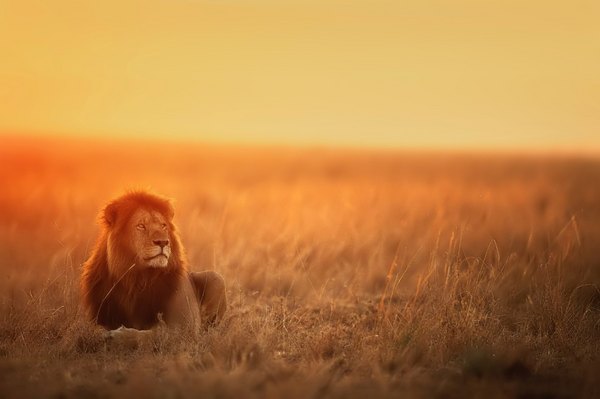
<point x="384" y="270"/>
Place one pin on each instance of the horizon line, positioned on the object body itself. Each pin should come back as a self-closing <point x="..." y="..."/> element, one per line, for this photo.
<point x="261" y="143"/>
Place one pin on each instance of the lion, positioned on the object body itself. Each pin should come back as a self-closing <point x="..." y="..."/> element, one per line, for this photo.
<point x="137" y="277"/>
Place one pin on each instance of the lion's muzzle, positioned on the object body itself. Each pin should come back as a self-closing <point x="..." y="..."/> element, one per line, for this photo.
<point x="158" y="255"/>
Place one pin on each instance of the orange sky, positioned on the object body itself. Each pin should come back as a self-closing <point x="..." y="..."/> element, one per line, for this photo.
<point x="419" y="73"/>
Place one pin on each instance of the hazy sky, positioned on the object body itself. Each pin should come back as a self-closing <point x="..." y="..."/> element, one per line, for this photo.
<point x="458" y="73"/>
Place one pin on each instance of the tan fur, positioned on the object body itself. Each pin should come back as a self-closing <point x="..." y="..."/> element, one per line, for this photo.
<point x="137" y="272"/>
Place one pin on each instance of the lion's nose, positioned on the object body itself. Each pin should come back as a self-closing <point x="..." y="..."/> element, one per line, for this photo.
<point x="161" y="243"/>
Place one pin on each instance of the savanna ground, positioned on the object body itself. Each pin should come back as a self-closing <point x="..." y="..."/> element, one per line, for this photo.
<point x="350" y="273"/>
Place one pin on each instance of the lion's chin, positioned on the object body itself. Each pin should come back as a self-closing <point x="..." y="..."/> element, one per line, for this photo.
<point x="157" y="261"/>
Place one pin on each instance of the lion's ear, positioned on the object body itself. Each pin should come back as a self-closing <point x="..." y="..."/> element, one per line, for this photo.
<point x="109" y="214"/>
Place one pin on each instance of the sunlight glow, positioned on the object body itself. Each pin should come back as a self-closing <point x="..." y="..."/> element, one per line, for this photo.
<point x="441" y="74"/>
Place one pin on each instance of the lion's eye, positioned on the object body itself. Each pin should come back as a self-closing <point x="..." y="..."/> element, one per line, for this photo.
<point x="141" y="226"/>
<point x="163" y="226"/>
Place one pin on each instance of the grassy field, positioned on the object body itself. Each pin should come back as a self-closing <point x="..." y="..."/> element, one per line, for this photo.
<point x="350" y="273"/>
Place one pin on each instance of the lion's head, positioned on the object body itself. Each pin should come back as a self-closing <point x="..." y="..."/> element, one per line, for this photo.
<point x="140" y="231"/>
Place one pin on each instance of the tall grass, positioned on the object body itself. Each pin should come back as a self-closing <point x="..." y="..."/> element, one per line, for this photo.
<point x="349" y="273"/>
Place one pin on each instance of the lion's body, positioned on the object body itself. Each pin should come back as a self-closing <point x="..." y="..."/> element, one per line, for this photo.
<point x="137" y="271"/>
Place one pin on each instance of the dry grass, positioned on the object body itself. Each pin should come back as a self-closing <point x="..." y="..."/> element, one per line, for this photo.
<point x="350" y="274"/>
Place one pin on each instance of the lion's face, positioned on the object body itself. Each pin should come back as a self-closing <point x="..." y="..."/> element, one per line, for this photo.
<point x="150" y="241"/>
<point x="140" y="232"/>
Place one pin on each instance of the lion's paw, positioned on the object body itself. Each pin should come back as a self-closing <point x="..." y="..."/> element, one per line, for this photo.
<point x="126" y="338"/>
